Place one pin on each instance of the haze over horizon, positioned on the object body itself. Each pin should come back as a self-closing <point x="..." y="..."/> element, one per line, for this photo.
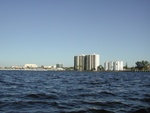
<point x="47" y="32"/>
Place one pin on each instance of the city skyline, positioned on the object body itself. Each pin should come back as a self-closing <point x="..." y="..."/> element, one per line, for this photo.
<point x="52" y="31"/>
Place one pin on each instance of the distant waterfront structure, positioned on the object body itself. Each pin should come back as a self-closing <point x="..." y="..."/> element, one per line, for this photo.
<point x="79" y="62"/>
<point x="30" y="66"/>
<point x="86" y="62"/>
<point x="16" y="67"/>
<point x="110" y="66"/>
<point x="106" y="66"/>
<point x="46" y="67"/>
<point x="118" y="66"/>
<point x="91" y="62"/>
<point x="113" y="66"/>
<point x="59" y="65"/>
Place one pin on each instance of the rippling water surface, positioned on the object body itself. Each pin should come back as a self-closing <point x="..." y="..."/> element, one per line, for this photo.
<point x="74" y="92"/>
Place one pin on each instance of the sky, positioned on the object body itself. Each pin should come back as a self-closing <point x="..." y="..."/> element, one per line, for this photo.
<point x="47" y="32"/>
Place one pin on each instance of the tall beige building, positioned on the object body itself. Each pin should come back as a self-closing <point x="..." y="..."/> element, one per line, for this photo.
<point x="92" y="62"/>
<point x="79" y="62"/>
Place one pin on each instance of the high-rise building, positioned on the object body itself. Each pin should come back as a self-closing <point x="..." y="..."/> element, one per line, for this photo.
<point x="106" y="66"/>
<point x="118" y="66"/>
<point x="79" y="62"/>
<point x="86" y="62"/>
<point x="94" y="61"/>
<point x="113" y="66"/>
<point x="110" y="66"/>
<point x="76" y="62"/>
<point x="121" y="65"/>
<point x="59" y="65"/>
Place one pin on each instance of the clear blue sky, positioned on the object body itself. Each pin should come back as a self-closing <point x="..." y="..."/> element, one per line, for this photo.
<point x="46" y="32"/>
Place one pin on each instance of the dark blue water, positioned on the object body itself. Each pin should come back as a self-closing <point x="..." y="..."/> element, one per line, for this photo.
<point x="74" y="92"/>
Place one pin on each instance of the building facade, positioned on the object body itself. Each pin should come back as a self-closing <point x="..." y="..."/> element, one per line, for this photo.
<point x="110" y="66"/>
<point x="79" y="62"/>
<point x="113" y="66"/>
<point x="106" y="66"/>
<point x="86" y="62"/>
<point x="59" y="65"/>
<point x="30" y="66"/>
<point x="94" y="62"/>
<point x="118" y="66"/>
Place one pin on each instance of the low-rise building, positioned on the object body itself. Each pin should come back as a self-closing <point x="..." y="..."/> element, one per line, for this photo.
<point x="30" y="66"/>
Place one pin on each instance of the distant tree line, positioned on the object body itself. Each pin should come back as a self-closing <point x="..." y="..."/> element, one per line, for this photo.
<point x="142" y="65"/>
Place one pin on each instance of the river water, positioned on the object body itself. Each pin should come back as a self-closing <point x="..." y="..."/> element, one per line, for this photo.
<point x="74" y="92"/>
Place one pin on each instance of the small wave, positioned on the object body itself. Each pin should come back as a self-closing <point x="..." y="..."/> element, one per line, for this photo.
<point x="41" y="96"/>
<point x="90" y="111"/>
<point x="144" y="110"/>
<point x="28" y="107"/>
<point x="147" y="95"/>
<point x="107" y="93"/>
<point x="147" y="100"/>
<point x="99" y="111"/>
<point x="2" y="104"/>
<point x="23" y="104"/>
<point x="2" y="81"/>
<point x="92" y="103"/>
<point x="87" y="94"/>
<point x="103" y="93"/>
<point x="94" y="83"/>
<point x="107" y="104"/>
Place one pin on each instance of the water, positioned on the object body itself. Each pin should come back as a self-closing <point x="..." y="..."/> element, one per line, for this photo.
<point x="74" y="92"/>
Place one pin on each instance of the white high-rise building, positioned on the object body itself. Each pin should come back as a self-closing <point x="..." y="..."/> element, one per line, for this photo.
<point x="113" y="66"/>
<point x="110" y="66"/>
<point x="121" y="65"/>
<point x="106" y="66"/>
<point x="94" y="61"/>
<point x="86" y="62"/>
<point x="118" y="65"/>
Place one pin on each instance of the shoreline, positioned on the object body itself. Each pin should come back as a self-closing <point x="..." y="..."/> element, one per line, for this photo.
<point x="70" y="70"/>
